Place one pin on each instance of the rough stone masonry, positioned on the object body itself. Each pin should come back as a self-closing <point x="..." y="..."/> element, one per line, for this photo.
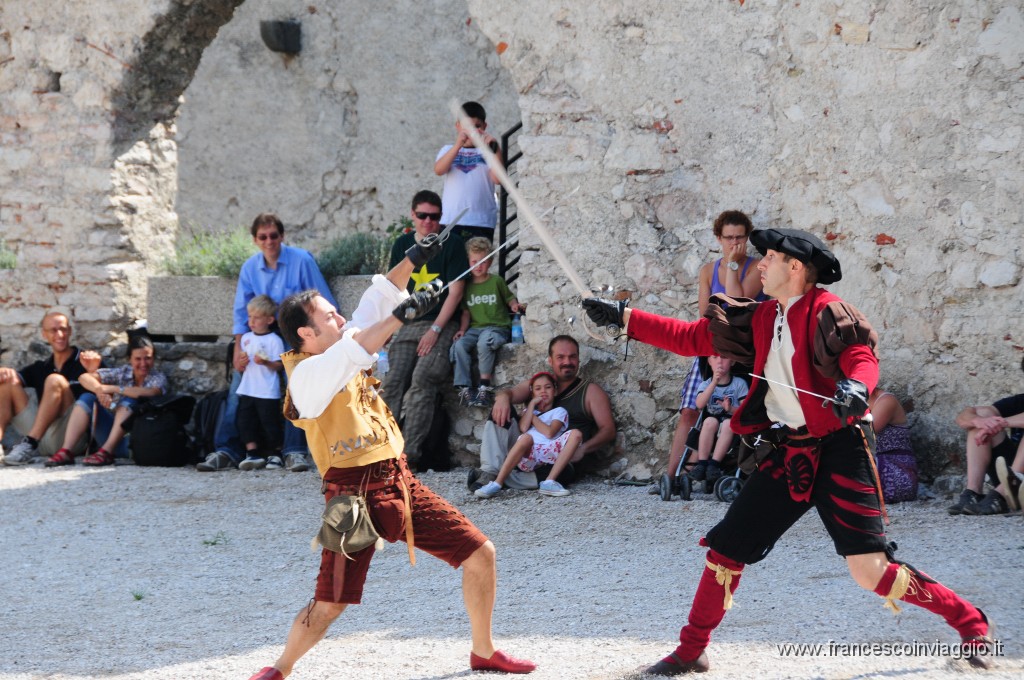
<point x="890" y="128"/>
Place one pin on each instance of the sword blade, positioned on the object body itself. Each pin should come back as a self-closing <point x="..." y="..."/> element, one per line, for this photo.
<point x="795" y="389"/>
<point x="498" y="249"/>
<point x="447" y="230"/>
<point x="483" y="259"/>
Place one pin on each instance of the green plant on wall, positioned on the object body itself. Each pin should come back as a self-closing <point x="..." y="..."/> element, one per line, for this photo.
<point x="201" y="252"/>
<point x="361" y="253"/>
<point x="403" y="225"/>
<point x="8" y="260"/>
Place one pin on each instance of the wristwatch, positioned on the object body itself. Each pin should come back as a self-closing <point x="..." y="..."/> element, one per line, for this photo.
<point x="733" y="265"/>
<point x="436" y="329"/>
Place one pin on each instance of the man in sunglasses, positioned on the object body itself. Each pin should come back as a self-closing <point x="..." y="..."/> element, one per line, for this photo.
<point x="419" y="353"/>
<point x="814" y="453"/>
<point x="277" y="271"/>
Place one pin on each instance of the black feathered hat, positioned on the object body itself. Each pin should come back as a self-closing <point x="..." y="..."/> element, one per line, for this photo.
<point x="805" y="247"/>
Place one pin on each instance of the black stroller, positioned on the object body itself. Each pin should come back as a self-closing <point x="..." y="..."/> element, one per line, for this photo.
<point x="725" y="487"/>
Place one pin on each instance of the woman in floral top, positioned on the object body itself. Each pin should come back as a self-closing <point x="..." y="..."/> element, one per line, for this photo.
<point x="113" y="395"/>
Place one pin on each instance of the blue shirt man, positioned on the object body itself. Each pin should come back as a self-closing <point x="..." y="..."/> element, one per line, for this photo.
<point x="276" y="271"/>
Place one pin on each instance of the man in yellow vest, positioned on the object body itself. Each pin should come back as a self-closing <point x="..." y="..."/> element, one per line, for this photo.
<point x="358" y="450"/>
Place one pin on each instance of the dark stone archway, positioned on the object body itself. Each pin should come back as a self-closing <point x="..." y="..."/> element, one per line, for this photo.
<point x="164" y="65"/>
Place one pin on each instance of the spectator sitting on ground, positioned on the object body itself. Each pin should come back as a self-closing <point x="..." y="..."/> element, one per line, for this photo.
<point x="259" y="392"/>
<point x="718" y="397"/>
<point x="993" y="432"/>
<point x="729" y="275"/>
<point x="897" y="465"/>
<point x="485" y="325"/>
<point x="547" y="441"/>
<point x="419" y="354"/>
<point x="276" y="271"/>
<point x="37" y="399"/>
<point x="588" y="406"/>
<point x="468" y="182"/>
<point x="113" y="396"/>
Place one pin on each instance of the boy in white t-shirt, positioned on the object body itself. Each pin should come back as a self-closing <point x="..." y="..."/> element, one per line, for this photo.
<point x="468" y="182"/>
<point x="259" y="393"/>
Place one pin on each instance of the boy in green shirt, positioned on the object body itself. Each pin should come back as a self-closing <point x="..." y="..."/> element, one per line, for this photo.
<point x="485" y="325"/>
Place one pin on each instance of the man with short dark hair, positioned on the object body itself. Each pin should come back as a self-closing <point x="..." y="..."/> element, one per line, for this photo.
<point x="803" y="343"/>
<point x="37" y="399"/>
<point x="589" y="409"/>
<point x="358" y="450"/>
<point x="419" y="355"/>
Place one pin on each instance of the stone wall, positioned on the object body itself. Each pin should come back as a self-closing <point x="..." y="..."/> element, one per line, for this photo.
<point x="88" y="168"/>
<point x="890" y="128"/>
<point x="339" y="138"/>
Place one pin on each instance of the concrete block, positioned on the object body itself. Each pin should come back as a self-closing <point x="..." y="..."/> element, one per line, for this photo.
<point x="190" y="305"/>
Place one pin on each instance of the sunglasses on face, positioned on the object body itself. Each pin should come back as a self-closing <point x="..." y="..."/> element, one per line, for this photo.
<point x="428" y="216"/>
<point x="273" y="236"/>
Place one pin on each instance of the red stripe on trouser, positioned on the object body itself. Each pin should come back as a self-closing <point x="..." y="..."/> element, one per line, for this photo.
<point x="963" y="616"/>
<point x="851" y="484"/>
<point x="854" y="507"/>
<point x="708" y="609"/>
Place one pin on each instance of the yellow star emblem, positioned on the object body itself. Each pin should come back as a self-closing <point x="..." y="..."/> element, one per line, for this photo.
<point x="423" y="277"/>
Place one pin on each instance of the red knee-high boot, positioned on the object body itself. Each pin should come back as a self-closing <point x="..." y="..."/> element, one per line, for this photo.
<point x="901" y="583"/>
<point x="713" y="598"/>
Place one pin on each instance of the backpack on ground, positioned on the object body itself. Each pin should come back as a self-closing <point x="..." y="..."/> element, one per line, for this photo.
<point x="158" y="435"/>
<point x="207" y="417"/>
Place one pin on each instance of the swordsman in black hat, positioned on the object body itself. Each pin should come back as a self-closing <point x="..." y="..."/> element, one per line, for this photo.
<point x="803" y="343"/>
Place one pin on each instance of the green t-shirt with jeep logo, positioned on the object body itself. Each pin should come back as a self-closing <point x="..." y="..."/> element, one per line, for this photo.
<point x="487" y="303"/>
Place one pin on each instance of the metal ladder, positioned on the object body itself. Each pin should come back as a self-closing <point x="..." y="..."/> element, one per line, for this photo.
<point x="508" y="258"/>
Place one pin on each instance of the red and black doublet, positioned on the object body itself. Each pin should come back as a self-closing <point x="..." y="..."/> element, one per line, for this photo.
<point x="824" y="464"/>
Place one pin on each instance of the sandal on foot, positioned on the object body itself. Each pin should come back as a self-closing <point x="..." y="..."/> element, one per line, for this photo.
<point x="101" y="457"/>
<point x="62" y="457"/>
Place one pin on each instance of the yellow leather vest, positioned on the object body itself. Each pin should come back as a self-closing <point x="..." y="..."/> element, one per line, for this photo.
<point x="355" y="429"/>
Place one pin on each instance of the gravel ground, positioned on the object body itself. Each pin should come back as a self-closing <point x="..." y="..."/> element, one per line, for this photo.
<point x="147" y="573"/>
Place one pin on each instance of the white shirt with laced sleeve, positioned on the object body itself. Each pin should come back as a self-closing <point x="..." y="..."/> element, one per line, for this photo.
<point x="316" y="380"/>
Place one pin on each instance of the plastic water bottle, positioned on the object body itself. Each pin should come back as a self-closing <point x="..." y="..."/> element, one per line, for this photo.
<point x="382" y="362"/>
<point x="517" y="330"/>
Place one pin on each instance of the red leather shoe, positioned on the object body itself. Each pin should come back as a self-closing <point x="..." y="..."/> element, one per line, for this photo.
<point x="268" y="673"/>
<point x="500" y="662"/>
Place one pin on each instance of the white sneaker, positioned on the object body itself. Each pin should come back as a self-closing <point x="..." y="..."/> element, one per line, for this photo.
<point x="296" y="462"/>
<point x="21" y="454"/>
<point x="488" y="490"/>
<point x="275" y="463"/>
<point x="550" y="487"/>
